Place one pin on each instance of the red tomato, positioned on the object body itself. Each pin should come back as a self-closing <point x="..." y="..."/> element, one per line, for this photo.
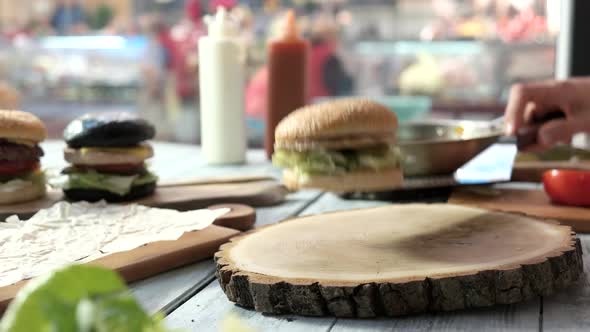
<point x="568" y="187"/>
<point x="17" y="167"/>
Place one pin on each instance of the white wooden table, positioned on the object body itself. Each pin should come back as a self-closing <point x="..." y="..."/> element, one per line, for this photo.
<point x="193" y="301"/>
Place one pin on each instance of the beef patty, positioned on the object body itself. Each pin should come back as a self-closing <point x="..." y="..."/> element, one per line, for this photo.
<point x="19" y="152"/>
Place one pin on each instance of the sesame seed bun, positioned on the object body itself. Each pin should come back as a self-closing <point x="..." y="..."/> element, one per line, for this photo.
<point x="22" y="126"/>
<point x="358" y="181"/>
<point x="340" y="124"/>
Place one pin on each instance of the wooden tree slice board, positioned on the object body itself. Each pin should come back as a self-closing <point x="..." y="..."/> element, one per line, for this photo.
<point x="534" y="203"/>
<point x="159" y="257"/>
<point x="397" y="260"/>
<point x="182" y="197"/>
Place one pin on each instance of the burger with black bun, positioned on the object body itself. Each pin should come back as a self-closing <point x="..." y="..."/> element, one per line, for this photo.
<point x="107" y="153"/>
<point x="21" y="178"/>
<point x="346" y="145"/>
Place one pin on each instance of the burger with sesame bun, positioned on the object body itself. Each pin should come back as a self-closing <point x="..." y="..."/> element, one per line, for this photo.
<point x="107" y="153"/>
<point x="21" y="178"/>
<point x="342" y="146"/>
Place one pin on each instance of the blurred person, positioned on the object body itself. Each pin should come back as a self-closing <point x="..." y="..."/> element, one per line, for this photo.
<point x="533" y="100"/>
<point x="244" y="18"/>
<point x="227" y="4"/>
<point x="16" y="29"/>
<point x="328" y="76"/>
<point x="101" y="16"/>
<point x="443" y="27"/>
<point x="194" y="11"/>
<point x="153" y="71"/>
<point x="10" y="98"/>
<point x="256" y="94"/>
<point x="42" y="27"/>
<point x="68" y="17"/>
<point x="518" y="21"/>
<point x="120" y="26"/>
<point x="183" y="50"/>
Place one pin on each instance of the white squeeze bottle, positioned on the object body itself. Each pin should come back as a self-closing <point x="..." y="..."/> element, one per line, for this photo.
<point x="221" y="80"/>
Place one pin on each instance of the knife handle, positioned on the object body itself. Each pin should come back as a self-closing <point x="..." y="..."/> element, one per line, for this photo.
<point x="527" y="136"/>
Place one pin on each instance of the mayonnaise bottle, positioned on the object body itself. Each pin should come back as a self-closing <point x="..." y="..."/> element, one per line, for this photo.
<point x="221" y="81"/>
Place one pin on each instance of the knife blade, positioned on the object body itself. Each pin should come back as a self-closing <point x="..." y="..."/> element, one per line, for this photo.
<point x="493" y="165"/>
<point x="496" y="163"/>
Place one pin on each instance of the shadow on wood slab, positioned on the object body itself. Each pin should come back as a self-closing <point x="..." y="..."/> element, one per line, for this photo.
<point x="398" y="260"/>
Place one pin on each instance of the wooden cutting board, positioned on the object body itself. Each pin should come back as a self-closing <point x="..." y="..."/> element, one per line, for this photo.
<point x="397" y="260"/>
<point x="182" y="196"/>
<point x="159" y="257"/>
<point x="532" y="171"/>
<point x="532" y="202"/>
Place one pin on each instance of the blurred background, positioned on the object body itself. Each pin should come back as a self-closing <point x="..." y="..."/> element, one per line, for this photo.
<point x="423" y="58"/>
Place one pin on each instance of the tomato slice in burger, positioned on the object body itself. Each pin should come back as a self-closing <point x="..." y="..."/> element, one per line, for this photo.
<point x="17" y="167"/>
<point x="568" y="187"/>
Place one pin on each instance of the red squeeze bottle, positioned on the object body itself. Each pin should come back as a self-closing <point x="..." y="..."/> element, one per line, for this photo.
<point x="287" y="77"/>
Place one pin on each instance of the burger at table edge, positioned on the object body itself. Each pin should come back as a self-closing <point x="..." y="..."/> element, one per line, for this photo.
<point x="21" y="178"/>
<point x="108" y="152"/>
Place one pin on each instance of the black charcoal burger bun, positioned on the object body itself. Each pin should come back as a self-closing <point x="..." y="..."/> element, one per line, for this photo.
<point x="95" y="195"/>
<point x="113" y="129"/>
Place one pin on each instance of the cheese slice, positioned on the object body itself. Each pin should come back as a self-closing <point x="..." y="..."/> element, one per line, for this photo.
<point x="94" y="156"/>
<point x="142" y="151"/>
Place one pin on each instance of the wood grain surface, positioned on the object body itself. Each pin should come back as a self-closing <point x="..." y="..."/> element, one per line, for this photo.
<point x="184" y="197"/>
<point x="532" y="202"/>
<point x="397" y="260"/>
<point x="208" y="309"/>
<point x="167" y="291"/>
<point x="532" y="171"/>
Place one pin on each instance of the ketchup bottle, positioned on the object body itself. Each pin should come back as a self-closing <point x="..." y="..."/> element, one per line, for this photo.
<point x="287" y="77"/>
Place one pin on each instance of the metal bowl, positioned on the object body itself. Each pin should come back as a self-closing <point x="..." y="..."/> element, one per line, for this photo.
<point x="440" y="147"/>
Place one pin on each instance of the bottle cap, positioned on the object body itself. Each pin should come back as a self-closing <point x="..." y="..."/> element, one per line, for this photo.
<point x="221" y="25"/>
<point x="290" y="30"/>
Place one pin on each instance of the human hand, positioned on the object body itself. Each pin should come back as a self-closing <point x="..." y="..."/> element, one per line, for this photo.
<point x="535" y="100"/>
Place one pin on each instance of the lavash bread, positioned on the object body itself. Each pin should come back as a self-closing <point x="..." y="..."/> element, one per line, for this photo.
<point x="345" y="123"/>
<point x="359" y="181"/>
<point x="21" y="126"/>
